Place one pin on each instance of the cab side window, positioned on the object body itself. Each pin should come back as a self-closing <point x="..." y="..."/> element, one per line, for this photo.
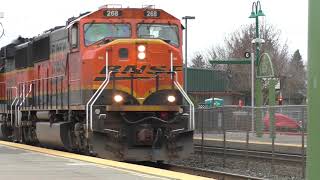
<point x="74" y="37"/>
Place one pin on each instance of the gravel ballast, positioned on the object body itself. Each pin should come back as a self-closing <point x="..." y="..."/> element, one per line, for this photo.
<point x="256" y="167"/>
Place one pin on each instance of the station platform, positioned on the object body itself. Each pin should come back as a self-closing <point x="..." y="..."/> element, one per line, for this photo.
<point x="19" y="161"/>
<point x="284" y="142"/>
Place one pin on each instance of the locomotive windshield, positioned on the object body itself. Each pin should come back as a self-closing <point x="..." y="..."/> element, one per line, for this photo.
<point x="168" y="33"/>
<point x="95" y="32"/>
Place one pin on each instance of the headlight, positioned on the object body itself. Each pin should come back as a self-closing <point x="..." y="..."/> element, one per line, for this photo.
<point x="171" y="98"/>
<point x="117" y="98"/>
<point x="141" y="52"/>
<point x="97" y="111"/>
<point x="141" y="55"/>
<point x="141" y="48"/>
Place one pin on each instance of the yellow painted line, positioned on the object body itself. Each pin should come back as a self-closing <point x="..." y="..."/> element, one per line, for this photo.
<point x="250" y="142"/>
<point x="124" y="166"/>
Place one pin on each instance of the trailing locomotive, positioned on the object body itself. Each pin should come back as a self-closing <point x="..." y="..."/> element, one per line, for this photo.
<point x="108" y="83"/>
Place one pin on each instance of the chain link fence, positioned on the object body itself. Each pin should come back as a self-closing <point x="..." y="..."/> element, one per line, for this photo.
<point x="229" y="130"/>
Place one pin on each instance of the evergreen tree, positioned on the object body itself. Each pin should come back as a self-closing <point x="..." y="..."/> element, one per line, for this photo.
<point x="295" y="80"/>
<point x="296" y="61"/>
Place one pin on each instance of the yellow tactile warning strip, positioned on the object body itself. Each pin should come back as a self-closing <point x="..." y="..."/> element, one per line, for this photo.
<point x="105" y="162"/>
<point x="251" y="142"/>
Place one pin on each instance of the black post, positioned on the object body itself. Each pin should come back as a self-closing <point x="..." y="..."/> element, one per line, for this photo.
<point x="186" y="52"/>
<point x="224" y="139"/>
<point x="272" y="154"/>
<point x="202" y="137"/>
<point x="247" y="143"/>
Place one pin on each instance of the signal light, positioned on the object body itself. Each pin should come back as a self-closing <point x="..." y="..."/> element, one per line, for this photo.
<point x="280" y="100"/>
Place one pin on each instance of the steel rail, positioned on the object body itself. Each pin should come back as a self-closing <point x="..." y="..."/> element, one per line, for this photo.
<point x="210" y="173"/>
<point x="250" y="153"/>
<point x="198" y="171"/>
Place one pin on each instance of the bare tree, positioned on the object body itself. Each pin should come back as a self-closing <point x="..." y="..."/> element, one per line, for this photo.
<point x="239" y="42"/>
<point x="213" y="53"/>
<point x="198" y="61"/>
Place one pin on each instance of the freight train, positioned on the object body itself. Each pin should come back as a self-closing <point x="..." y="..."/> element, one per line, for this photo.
<point x="108" y="83"/>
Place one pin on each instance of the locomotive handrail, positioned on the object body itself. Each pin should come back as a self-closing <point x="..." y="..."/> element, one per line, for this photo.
<point x="47" y="78"/>
<point x="95" y="96"/>
<point x="61" y="77"/>
<point x="21" y="103"/>
<point x="15" y="108"/>
<point x="191" y="105"/>
<point x="92" y="100"/>
<point x="171" y="63"/>
<point x="11" y="107"/>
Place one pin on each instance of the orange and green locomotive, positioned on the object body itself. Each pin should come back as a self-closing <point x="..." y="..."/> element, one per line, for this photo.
<point x="107" y="83"/>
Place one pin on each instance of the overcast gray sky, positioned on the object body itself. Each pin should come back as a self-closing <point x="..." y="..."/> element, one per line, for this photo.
<point x="215" y="19"/>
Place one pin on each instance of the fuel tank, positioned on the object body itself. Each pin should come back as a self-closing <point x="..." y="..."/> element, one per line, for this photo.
<point x="54" y="135"/>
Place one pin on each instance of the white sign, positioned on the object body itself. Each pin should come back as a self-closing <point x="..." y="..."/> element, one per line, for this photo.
<point x="277" y="87"/>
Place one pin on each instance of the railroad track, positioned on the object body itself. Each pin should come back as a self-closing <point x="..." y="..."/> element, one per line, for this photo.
<point x="248" y="153"/>
<point x="242" y="153"/>
<point x="219" y="175"/>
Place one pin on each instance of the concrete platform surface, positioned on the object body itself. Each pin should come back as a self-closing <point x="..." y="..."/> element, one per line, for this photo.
<point x="21" y="164"/>
<point x="24" y="162"/>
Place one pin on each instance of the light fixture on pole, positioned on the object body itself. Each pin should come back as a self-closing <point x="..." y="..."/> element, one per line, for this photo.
<point x="256" y="12"/>
<point x="186" y="51"/>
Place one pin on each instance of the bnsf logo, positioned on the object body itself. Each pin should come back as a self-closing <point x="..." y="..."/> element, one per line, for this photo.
<point x="137" y="70"/>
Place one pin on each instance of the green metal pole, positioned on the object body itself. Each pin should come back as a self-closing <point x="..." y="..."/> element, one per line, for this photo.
<point x="257" y="42"/>
<point x="313" y="147"/>
<point x="258" y="98"/>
